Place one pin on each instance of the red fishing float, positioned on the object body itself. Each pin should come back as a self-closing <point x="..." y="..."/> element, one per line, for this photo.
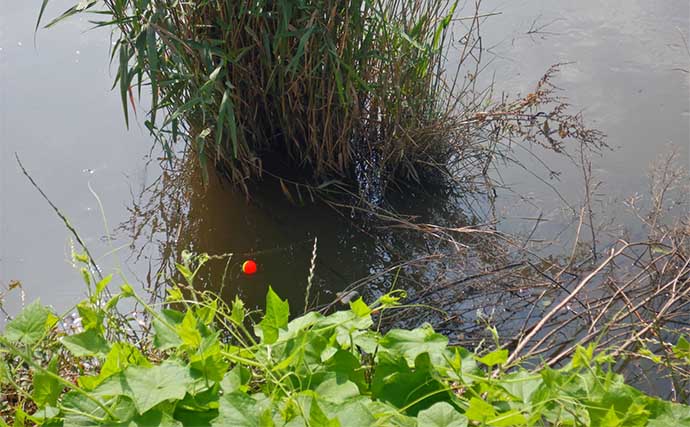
<point x="249" y="267"/>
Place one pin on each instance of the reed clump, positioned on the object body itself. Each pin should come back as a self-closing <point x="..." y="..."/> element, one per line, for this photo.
<point x="323" y="84"/>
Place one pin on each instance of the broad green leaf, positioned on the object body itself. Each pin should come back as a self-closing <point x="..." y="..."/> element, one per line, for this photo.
<point x="349" y="328"/>
<point x="46" y="387"/>
<point x="336" y="390"/>
<point x="299" y="325"/>
<point x="45" y="416"/>
<point x="318" y="418"/>
<point x="583" y="356"/>
<point x="91" y="316"/>
<point x="82" y="410"/>
<point x="148" y="387"/>
<point x="415" y="342"/>
<point x="151" y="386"/>
<point x="238" y="410"/>
<point x="360" y="308"/>
<point x="152" y="418"/>
<point x="275" y="319"/>
<point x="668" y="414"/>
<point x="611" y="419"/>
<point x="31" y="324"/>
<point x="396" y="383"/>
<point x="208" y="361"/>
<point x="521" y="384"/>
<point x="480" y="410"/>
<point x="207" y="313"/>
<point x="496" y="357"/>
<point x="235" y="379"/>
<point x="355" y="413"/>
<point x="87" y="343"/>
<point x="121" y="356"/>
<point x="187" y="331"/>
<point x="186" y="273"/>
<point x="441" y="414"/>
<point x="346" y="365"/>
<point x="166" y="336"/>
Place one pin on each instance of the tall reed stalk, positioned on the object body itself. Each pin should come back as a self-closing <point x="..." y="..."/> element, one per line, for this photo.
<point x="321" y="84"/>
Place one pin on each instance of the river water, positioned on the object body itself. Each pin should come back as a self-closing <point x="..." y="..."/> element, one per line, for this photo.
<point x="627" y="73"/>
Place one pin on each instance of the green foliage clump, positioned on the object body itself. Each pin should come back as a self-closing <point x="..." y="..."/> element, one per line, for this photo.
<point x="318" y="82"/>
<point x="197" y="362"/>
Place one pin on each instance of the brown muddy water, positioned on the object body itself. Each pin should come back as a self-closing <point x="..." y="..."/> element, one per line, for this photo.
<point x="627" y="73"/>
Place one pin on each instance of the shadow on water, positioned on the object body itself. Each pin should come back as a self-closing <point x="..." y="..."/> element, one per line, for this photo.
<point x="459" y="272"/>
<point x="179" y="213"/>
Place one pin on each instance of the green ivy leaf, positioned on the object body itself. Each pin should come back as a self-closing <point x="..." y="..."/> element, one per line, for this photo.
<point x="208" y="361"/>
<point x="87" y="343"/>
<point x="611" y="419"/>
<point x="187" y="331"/>
<point x="91" y="316"/>
<point x="583" y="356"/>
<point x="165" y="336"/>
<point x="346" y="365"/>
<point x="318" y="418"/>
<point x="148" y="387"/>
<point x="46" y="387"/>
<point x="207" y="313"/>
<point x="360" y="308"/>
<point x="31" y="324"/>
<point x="121" y="356"/>
<point x="276" y="317"/>
<point x="441" y="414"/>
<point x="45" y="416"/>
<point x="238" y="410"/>
<point x="358" y="412"/>
<point x="235" y="379"/>
<point x="398" y="384"/>
<point x="480" y="410"/>
<point x="152" y="418"/>
<point x="336" y="390"/>
<point x="82" y="410"/>
<point x="522" y="385"/>
<point x="415" y="342"/>
<point x="496" y="357"/>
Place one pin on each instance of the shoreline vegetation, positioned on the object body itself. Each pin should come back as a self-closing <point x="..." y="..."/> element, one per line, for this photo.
<point x="363" y="94"/>
<point x="355" y="95"/>
<point x="198" y="361"/>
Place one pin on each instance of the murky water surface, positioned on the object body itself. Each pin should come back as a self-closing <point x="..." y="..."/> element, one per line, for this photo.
<point x="625" y="72"/>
